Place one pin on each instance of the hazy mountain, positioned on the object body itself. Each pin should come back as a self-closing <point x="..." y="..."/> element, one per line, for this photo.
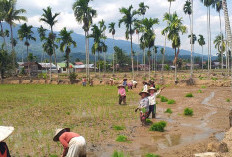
<point x="79" y="51"/>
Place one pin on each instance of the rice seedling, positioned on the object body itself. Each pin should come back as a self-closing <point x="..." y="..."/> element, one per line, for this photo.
<point x="163" y="99"/>
<point x="148" y="121"/>
<point x="188" y="112"/>
<point x="122" y="138"/>
<point x="53" y="155"/>
<point x="227" y="100"/>
<point x="214" y="78"/>
<point x="116" y="127"/>
<point x="119" y="154"/>
<point x="203" y="87"/>
<point x="151" y="155"/>
<point x="199" y="91"/>
<point x="168" y="111"/>
<point x="171" y="101"/>
<point x="189" y="95"/>
<point x="159" y="126"/>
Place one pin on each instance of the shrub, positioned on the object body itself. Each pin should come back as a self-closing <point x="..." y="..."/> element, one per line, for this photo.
<point x="158" y="96"/>
<point x="163" y="99"/>
<point x="118" y="154"/>
<point x="201" y="78"/>
<point x="121" y="138"/>
<point x="203" y="87"/>
<point x="214" y="79"/>
<point x="152" y="155"/>
<point x="116" y="127"/>
<point x="72" y="77"/>
<point x="68" y="113"/>
<point x="189" y="95"/>
<point x="159" y="126"/>
<point x="22" y="72"/>
<point x="168" y="111"/>
<point x="227" y="100"/>
<point x="188" y="112"/>
<point x="148" y="121"/>
<point x="199" y="91"/>
<point x="171" y="101"/>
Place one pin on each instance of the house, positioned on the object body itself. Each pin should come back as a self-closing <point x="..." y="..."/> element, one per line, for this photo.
<point x="46" y="67"/>
<point x="82" y="68"/>
<point x="33" y="67"/>
<point x="62" y="68"/>
<point x="79" y="63"/>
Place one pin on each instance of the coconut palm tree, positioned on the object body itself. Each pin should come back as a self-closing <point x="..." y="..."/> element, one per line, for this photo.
<point x="2" y="17"/>
<point x="201" y="42"/>
<point x="173" y="30"/>
<point x="84" y="14"/>
<point x="112" y="30"/>
<point x="142" y="11"/>
<point x="138" y="30"/>
<point x="51" y="20"/>
<point x="42" y="35"/>
<point x="12" y="15"/>
<point x="148" y="37"/>
<point x="66" y="41"/>
<point x="155" y="49"/>
<point x="208" y="4"/>
<point x="220" y="45"/>
<point x="25" y="32"/>
<point x="170" y="1"/>
<point x="103" y="29"/>
<point x="129" y="20"/>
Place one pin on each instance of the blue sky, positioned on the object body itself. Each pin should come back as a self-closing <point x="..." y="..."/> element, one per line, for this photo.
<point x="109" y="11"/>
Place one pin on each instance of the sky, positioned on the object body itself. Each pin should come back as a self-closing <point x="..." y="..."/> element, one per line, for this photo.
<point x="109" y="11"/>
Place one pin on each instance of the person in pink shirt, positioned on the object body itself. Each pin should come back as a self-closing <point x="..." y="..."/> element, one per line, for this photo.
<point x="74" y="144"/>
<point x="122" y="94"/>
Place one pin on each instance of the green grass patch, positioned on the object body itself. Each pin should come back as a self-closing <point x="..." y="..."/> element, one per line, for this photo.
<point x="158" y="96"/>
<point x="214" y="78"/>
<point x="168" y="111"/>
<point x="122" y="138"/>
<point x="53" y="155"/>
<point x="227" y="100"/>
<point x="188" y="112"/>
<point x="189" y="95"/>
<point x="199" y="91"/>
<point x="116" y="127"/>
<point x="119" y="154"/>
<point x="203" y="87"/>
<point x="171" y="101"/>
<point x="159" y="126"/>
<point x="151" y="155"/>
<point x="163" y="99"/>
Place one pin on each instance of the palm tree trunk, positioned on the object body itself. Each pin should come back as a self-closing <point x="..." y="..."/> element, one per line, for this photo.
<point x="54" y="52"/>
<point x="155" y="64"/>
<point x="208" y="37"/>
<point x="138" y="57"/>
<point x="191" y="42"/>
<point x="144" y="62"/>
<point x="95" y="63"/>
<point x="12" y="44"/>
<point x="50" y="68"/>
<point x="132" y="57"/>
<point x="149" y="67"/>
<point x="3" y="35"/>
<point x="113" y="55"/>
<point x="202" y="59"/>
<point x="210" y="40"/>
<point x="86" y="55"/>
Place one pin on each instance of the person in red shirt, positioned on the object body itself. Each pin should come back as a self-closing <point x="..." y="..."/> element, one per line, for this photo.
<point x="122" y="94"/>
<point x="4" y="133"/>
<point x="74" y="144"/>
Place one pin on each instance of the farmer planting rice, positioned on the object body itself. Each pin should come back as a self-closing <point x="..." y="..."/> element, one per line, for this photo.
<point x="74" y="144"/>
<point x="145" y="86"/>
<point x="122" y="94"/>
<point x="134" y="83"/>
<point x="124" y="82"/>
<point x="5" y="132"/>
<point x="152" y="101"/>
<point x="143" y="106"/>
<point x="84" y="81"/>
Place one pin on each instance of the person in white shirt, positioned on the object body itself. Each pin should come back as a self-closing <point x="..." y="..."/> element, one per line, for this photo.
<point x="152" y="101"/>
<point x="145" y="87"/>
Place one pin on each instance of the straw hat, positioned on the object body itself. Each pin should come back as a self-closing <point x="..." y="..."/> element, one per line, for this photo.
<point x="125" y="79"/>
<point x="5" y="131"/>
<point x="144" y="91"/>
<point x="121" y="85"/>
<point x="59" y="132"/>
<point x="152" y="88"/>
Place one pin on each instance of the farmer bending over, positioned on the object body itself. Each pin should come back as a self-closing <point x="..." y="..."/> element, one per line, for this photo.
<point x="122" y="94"/>
<point x="5" y="132"/>
<point x="74" y="144"/>
<point x="144" y="102"/>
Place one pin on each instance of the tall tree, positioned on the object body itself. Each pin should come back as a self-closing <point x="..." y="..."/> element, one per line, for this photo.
<point x="85" y="14"/>
<point x="170" y="1"/>
<point x="66" y="41"/>
<point x="138" y="30"/>
<point x="220" y="45"/>
<point x="155" y="49"/>
<point x="173" y="30"/>
<point x="129" y="20"/>
<point x="42" y="35"/>
<point x="112" y="30"/>
<point x="201" y="42"/>
<point x="103" y="29"/>
<point x="12" y="15"/>
<point x="25" y="32"/>
<point x="2" y="18"/>
<point x="142" y="11"/>
<point x="51" y="19"/>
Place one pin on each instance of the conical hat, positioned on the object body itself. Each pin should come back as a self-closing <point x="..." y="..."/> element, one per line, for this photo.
<point x="5" y="131"/>
<point x="59" y="132"/>
<point x="152" y="88"/>
<point x="121" y="85"/>
<point x="144" y="91"/>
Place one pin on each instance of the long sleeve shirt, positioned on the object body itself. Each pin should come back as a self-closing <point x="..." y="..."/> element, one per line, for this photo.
<point x="144" y="103"/>
<point x="152" y="98"/>
<point x="145" y="88"/>
<point x="122" y="92"/>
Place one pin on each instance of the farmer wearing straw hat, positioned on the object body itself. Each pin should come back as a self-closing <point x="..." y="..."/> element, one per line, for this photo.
<point x="5" y="132"/>
<point x="121" y="94"/>
<point x="152" y="101"/>
<point x="74" y="144"/>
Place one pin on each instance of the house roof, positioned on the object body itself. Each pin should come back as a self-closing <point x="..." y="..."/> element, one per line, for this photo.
<point x="47" y="65"/>
<point x="63" y="65"/>
<point x="91" y="66"/>
<point x="79" y="63"/>
<point x="26" y="64"/>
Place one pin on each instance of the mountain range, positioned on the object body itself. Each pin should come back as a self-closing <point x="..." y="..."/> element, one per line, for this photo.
<point x="79" y="51"/>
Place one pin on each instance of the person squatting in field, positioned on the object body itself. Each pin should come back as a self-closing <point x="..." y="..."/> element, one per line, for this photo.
<point x="152" y="101"/>
<point x="143" y="106"/>
<point x="5" y="132"/>
<point x="122" y="94"/>
<point x="74" y="144"/>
